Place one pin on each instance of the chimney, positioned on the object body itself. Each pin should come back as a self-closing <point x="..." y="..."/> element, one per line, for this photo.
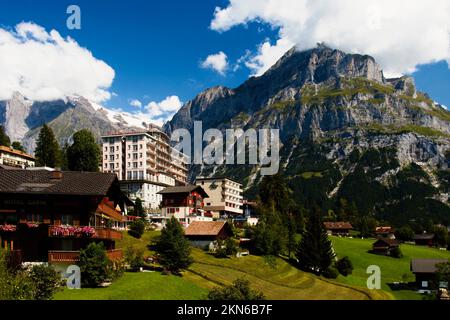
<point x="56" y="175"/>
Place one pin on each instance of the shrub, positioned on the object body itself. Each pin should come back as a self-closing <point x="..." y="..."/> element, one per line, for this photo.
<point x="396" y="253"/>
<point x="14" y="284"/>
<point x="231" y="247"/>
<point x="405" y="233"/>
<point x="45" y="280"/>
<point x="94" y="265"/>
<point x="239" y="290"/>
<point x="137" y="228"/>
<point x="135" y="258"/>
<point x="331" y="273"/>
<point x="344" y="266"/>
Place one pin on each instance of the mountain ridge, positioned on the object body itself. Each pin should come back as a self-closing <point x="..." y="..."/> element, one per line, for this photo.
<point x="340" y="108"/>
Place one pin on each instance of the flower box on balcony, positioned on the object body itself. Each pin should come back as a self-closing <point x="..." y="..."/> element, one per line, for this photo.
<point x="71" y="231"/>
<point x="8" y="228"/>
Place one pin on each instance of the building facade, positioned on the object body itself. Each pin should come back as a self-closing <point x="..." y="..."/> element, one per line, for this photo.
<point x="144" y="164"/>
<point x="185" y="203"/>
<point x="49" y="216"/>
<point x="225" y="196"/>
<point x="15" y="158"/>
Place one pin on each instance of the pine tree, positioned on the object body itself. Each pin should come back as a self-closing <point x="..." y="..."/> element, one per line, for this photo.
<point x="315" y="252"/>
<point x="47" y="150"/>
<point x="84" y="153"/>
<point x="4" y="139"/>
<point x="139" y="209"/>
<point x="16" y="145"/>
<point x="173" y="248"/>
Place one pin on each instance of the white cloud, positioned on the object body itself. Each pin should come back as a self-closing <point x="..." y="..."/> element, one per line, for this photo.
<point x="267" y="56"/>
<point x="44" y="66"/>
<point x="163" y="110"/>
<point x="217" y="62"/>
<point x="136" y="103"/>
<point x="400" y="34"/>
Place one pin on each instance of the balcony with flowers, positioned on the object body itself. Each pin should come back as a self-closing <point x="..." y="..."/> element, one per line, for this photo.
<point x="67" y="231"/>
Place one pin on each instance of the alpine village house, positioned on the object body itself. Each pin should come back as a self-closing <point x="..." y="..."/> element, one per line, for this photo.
<point x="49" y="216"/>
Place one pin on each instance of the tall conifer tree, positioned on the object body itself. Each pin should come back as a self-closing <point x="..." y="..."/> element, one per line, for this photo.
<point x="315" y="252"/>
<point x="47" y="150"/>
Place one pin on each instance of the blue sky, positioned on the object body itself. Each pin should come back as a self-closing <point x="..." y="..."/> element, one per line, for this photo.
<point x="156" y="47"/>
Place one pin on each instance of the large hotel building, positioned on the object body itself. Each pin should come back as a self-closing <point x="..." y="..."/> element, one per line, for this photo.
<point x="144" y="164"/>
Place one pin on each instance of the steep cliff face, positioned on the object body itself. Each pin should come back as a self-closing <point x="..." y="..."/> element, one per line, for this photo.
<point x="338" y="105"/>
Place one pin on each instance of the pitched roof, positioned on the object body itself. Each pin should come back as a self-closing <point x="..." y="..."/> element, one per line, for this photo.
<point x="338" y="225"/>
<point x="205" y="228"/>
<point x="184" y="189"/>
<point x="386" y="242"/>
<point x="383" y="229"/>
<point x="425" y="265"/>
<point x="44" y="182"/>
<point x="16" y="152"/>
<point x="424" y="236"/>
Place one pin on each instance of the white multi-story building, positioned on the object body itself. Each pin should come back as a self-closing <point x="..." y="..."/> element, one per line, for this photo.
<point x="15" y="158"/>
<point x="225" y="196"/>
<point x="144" y="163"/>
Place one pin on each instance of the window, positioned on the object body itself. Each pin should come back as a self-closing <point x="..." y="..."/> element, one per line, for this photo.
<point x="35" y="217"/>
<point x="135" y="148"/>
<point x="135" y="156"/>
<point x="135" y="139"/>
<point x="117" y="148"/>
<point x="67" y="219"/>
<point x="135" y="165"/>
<point x="66" y="244"/>
<point x="111" y="157"/>
<point x="111" y="149"/>
<point x="424" y="284"/>
<point x="140" y="155"/>
<point x="129" y="176"/>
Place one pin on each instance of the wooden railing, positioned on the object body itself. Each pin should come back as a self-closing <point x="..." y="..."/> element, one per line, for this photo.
<point x="105" y="233"/>
<point x="74" y="256"/>
<point x="63" y="256"/>
<point x="114" y="254"/>
<point x="100" y="233"/>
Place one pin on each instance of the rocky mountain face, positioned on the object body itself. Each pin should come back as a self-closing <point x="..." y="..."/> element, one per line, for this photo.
<point x="348" y="134"/>
<point x="23" y="119"/>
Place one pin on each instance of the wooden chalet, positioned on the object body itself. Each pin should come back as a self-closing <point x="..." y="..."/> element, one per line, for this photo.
<point x="203" y="234"/>
<point x="49" y="216"/>
<point x="185" y="203"/>
<point x="338" y="228"/>
<point x="425" y="272"/>
<point x="425" y="239"/>
<point x="384" y="246"/>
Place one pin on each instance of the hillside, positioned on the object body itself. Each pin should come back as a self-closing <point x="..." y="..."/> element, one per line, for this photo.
<point x="347" y="133"/>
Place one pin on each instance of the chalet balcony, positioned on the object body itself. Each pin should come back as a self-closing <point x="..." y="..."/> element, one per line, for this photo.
<point x="87" y="232"/>
<point x="74" y="256"/>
